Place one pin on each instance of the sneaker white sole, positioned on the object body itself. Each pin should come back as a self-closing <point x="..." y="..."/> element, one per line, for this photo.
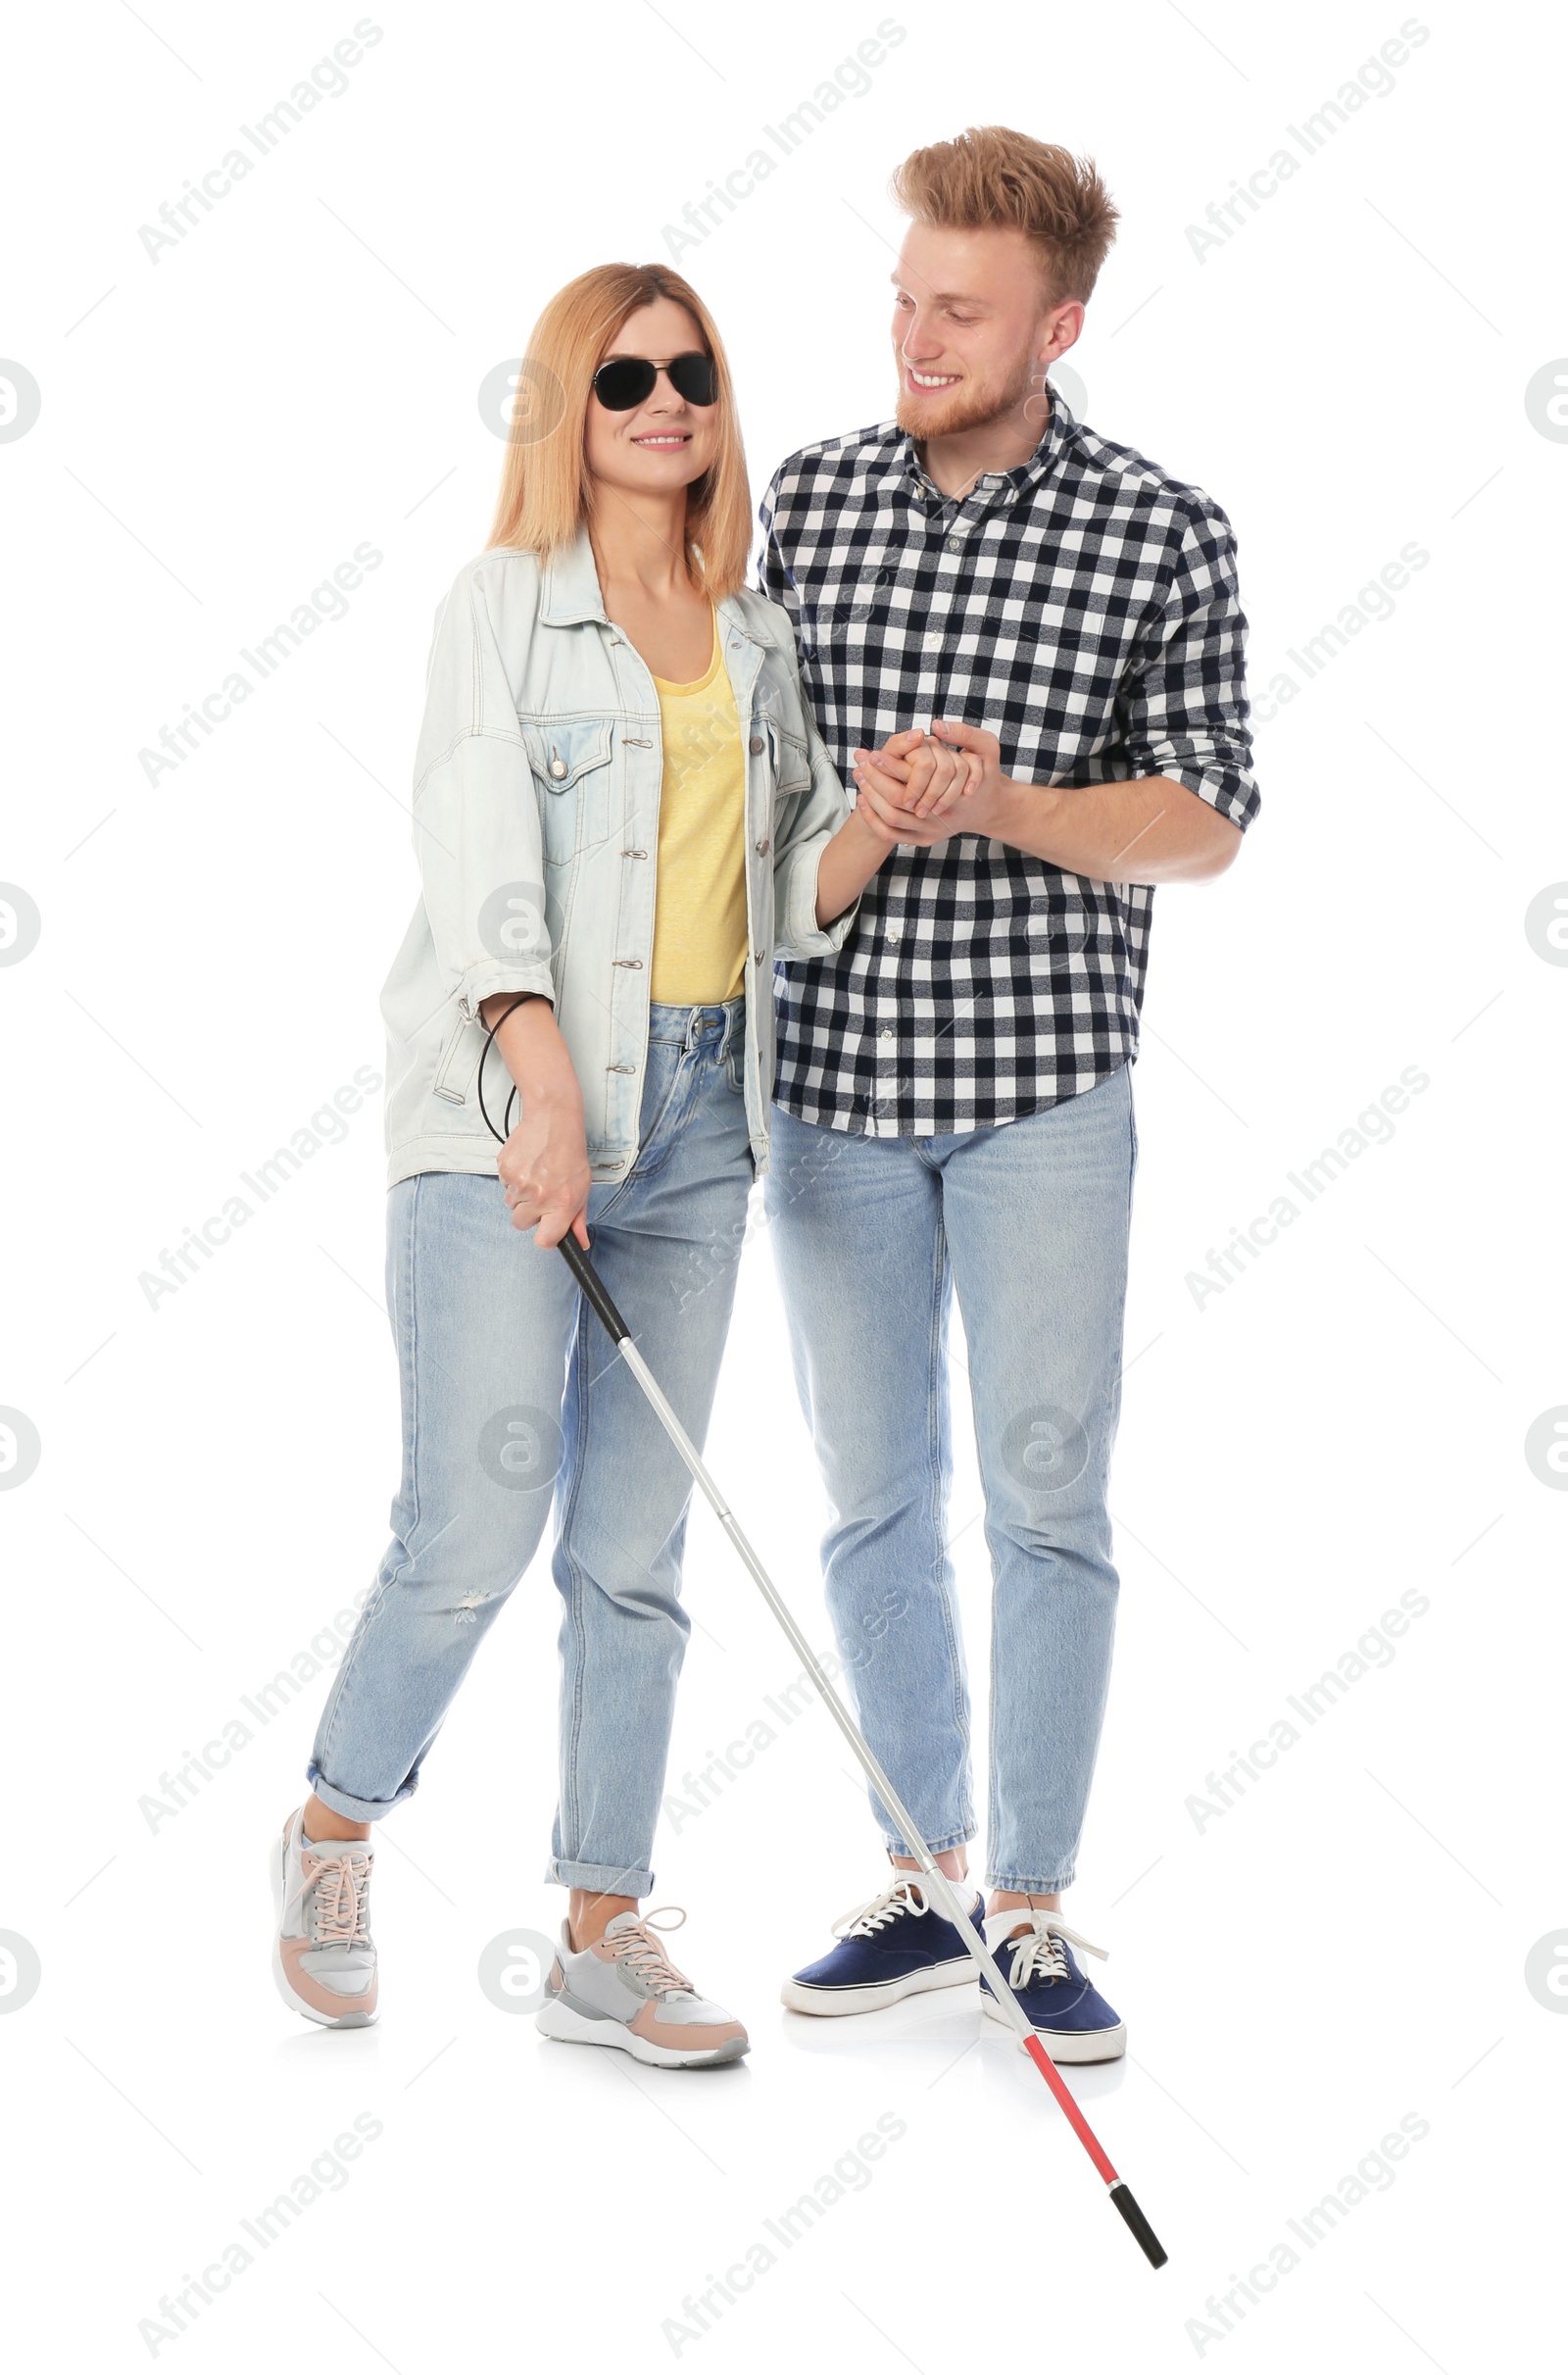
<point x="837" y="2000"/>
<point x="1067" y="2045"/>
<point x="322" y="2020"/>
<point x="560" y="2021"/>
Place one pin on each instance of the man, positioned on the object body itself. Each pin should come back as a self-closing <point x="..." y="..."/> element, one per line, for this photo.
<point x="953" y="1085"/>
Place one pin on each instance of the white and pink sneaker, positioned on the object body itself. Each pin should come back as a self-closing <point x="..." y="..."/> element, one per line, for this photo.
<point x="323" y="1956"/>
<point x="625" y="1991"/>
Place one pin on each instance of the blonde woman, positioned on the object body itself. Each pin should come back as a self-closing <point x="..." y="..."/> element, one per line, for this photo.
<point x="621" y="811"/>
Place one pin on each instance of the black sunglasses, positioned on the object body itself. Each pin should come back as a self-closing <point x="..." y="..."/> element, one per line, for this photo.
<point x="629" y="380"/>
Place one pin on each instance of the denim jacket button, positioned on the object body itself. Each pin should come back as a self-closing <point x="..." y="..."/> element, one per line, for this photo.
<point x="558" y="767"/>
<point x="754" y="745"/>
<point x="764" y="846"/>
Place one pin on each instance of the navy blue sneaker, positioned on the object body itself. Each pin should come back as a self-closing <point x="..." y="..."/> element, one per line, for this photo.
<point x="1074" y="2019"/>
<point x="895" y="1945"/>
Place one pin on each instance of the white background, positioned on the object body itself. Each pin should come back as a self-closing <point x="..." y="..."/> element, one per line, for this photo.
<point x="1346" y="1944"/>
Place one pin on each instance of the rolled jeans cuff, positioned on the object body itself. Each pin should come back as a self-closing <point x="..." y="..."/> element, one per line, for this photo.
<point x="601" y="1879"/>
<point x="354" y="1810"/>
<point x="896" y="1845"/>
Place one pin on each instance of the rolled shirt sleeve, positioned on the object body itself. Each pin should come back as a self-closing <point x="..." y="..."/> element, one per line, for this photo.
<point x="1182" y="704"/>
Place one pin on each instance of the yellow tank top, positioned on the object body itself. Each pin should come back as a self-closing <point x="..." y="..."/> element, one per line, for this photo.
<point x="699" y="934"/>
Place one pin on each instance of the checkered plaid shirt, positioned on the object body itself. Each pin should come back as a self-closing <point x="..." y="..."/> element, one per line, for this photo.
<point x="1084" y="608"/>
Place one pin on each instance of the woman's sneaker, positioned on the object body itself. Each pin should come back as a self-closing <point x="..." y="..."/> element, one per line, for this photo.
<point x="623" y="1991"/>
<point x="895" y="1945"/>
<point x="1072" y="2017"/>
<point x="323" y="1956"/>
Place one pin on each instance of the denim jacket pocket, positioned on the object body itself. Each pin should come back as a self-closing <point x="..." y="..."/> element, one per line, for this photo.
<point x="792" y="761"/>
<point x="571" y="758"/>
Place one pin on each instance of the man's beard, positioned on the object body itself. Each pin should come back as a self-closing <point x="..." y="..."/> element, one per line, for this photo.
<point x="970" y="404"/>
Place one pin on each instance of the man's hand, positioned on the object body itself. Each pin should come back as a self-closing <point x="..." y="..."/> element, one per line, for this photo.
<point x="985" y="797"/>
<point x="909" y="788"/>
<point x="990" y="796"/>
<point x="984" y="753"/>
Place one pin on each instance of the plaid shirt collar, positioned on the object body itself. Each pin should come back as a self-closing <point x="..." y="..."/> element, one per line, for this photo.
<point x="901" y="469"/>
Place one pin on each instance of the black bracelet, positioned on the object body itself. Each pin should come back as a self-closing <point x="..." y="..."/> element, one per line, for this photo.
<point x="501" y="1135"/>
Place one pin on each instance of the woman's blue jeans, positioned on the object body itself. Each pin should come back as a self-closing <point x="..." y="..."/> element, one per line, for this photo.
<point x="1030" y="1222"/>
<point x="515" y="1401"/>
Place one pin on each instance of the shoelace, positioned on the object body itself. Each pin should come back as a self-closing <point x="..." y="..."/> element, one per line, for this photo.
<point x="906" y="1895"/>
<point x="1038" y="1955"/>
<point x="342" y="1885"/>
<point x="641" y="1950"/>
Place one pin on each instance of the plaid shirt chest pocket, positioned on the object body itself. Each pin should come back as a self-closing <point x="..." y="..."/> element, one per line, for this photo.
<point x="571" y="760"/>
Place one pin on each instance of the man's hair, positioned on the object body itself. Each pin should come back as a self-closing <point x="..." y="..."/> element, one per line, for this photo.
<point x="990" y="175"/>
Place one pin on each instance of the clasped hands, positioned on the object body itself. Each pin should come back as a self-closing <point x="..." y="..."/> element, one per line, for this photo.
<point x="923" y="787"/>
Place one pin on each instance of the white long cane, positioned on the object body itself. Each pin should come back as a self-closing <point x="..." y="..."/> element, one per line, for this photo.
<point x="934" y="1879"/>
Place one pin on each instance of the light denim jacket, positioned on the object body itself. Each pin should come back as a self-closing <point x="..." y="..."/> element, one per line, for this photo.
<point x="536" y="827"/>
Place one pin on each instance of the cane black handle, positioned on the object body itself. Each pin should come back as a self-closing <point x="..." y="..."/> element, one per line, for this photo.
<point x="593" y="1286"/>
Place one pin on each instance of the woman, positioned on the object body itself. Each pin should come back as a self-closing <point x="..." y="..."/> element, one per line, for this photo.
<point x="621" y="810"/>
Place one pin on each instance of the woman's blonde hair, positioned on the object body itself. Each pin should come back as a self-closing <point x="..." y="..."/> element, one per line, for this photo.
<point x="547" y="491"/>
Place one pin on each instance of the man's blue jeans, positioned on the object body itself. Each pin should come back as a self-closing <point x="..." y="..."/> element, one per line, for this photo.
<point x="1030" y="1222"/>
<point x="514" y="1398"/>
